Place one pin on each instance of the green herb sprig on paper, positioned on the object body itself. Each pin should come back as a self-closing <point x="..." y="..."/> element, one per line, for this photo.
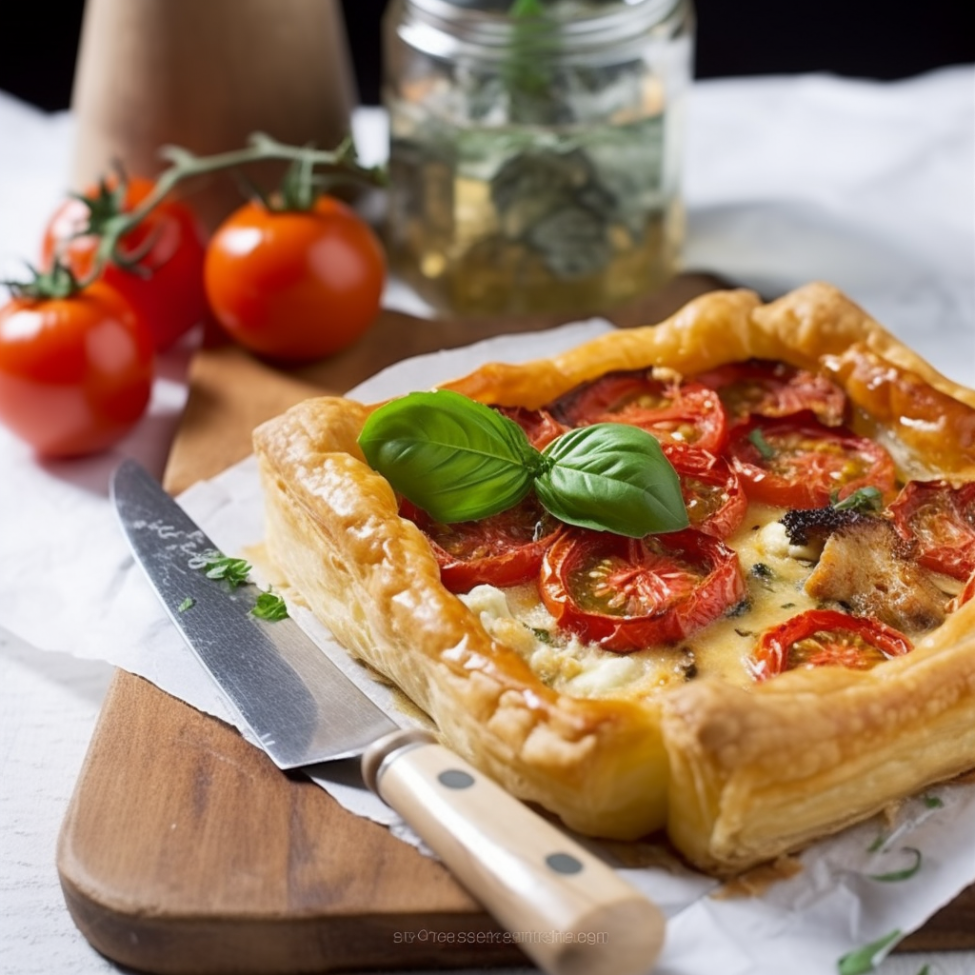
<point x="459" y="460"/>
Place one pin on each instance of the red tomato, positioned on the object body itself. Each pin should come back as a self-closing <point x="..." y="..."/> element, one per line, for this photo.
<point x="169" y="295"/>
<point x="797" y="462"/>
<point x="295" y="285"/>
<point x="630" y="593"/>
<point x="826" y="637"/>
<point x="540" y="426"/>
<point x="687" y="413"/>
<point x="774" y="389"/>
<point x="716" y="503"/>
<point x="75" y="373"/>
<point x="502" y="550"/>
<point x="941" y="519"/>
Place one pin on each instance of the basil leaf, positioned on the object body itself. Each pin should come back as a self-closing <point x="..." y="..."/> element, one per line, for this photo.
<point x="456" y="459"/>
<point x="611" y="477"/>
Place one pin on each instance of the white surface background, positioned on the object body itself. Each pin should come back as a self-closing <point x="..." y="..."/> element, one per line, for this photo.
<point x="869" y="186"/>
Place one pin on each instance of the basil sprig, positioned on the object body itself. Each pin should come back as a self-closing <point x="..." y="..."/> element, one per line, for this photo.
<point x="459" y="460"/>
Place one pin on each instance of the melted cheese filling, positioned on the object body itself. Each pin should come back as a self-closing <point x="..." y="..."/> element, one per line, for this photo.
<point x="774" y="572"/>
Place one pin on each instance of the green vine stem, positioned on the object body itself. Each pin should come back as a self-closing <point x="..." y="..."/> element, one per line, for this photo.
<point x="185" y="165"/>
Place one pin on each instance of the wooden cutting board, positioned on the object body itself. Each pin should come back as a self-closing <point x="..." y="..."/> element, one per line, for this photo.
<point x="185" y="850"/>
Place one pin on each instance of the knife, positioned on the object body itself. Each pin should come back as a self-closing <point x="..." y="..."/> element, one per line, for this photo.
<point x="567" y="909"/>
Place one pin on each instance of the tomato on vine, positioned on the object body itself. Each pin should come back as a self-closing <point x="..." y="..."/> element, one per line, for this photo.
<point x="167" y="246"/>
<point x="76" y="365"/>
<point x="296" y="277"/>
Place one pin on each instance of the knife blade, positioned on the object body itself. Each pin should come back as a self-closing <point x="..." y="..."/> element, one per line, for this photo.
<point x="566" y="908"/>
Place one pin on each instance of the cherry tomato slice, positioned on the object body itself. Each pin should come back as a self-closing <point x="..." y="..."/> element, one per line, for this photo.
<point x="503" y="550"/>
<point x="686" y="413"/>
<point x="774" y="389"/>
<point x="797" y="462"/>
<point x="716" y="503"/>
<point x="941" y="520"/>
<point x="627" y="594"/>
<point x="824" y="638"/>
<point x="540" y="426"/>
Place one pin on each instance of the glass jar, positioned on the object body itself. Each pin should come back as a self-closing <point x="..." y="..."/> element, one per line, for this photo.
<point x="535" y="150"/>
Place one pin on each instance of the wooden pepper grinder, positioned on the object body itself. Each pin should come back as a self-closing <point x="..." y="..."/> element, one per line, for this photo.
<point x="204" y="74"/>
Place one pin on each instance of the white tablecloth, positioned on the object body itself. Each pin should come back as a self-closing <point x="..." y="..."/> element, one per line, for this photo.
<point x="869" y="186"/>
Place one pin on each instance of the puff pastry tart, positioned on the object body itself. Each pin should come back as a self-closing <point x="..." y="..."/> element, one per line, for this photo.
<point x="801" y="656"/>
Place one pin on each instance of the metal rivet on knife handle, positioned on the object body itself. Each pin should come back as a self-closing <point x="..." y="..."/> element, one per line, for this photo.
<point x="568" y="910"/>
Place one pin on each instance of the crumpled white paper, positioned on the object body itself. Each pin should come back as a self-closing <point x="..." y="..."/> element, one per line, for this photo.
<point x="801" y="925"/>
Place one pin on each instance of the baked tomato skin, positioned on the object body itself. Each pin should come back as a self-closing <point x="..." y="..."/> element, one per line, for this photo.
<point x="769" y="388"/>
<point x="798" y="462"/>
<point x="505" y="549"/>
<point x="939" y="519"/>
<point x="168" y="293"/>
<point x="295" y="285"/>
<point x="715" y="500"/>
<point x="540" y="426"/>
<point x="673" y="412"/>
<point x="631" y="593"/>
<point x="75" y="372"/>
<point x="826" y="637"/>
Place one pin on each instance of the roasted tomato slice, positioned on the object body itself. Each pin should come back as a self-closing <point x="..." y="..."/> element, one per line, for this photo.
<point x="502" y="550"/>
<point x="774" y="389"/>
<point x="798" y="462"/>
<point x="674" y="412"/>
<point x="823" y="638"/>
<point x="941" y="519"/>
<point x="630" y="593"/>
<point x="540" y="426"/>
<point x="716" y="502"/>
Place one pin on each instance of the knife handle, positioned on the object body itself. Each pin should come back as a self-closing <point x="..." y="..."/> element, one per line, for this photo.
<point x="570" y="912"/>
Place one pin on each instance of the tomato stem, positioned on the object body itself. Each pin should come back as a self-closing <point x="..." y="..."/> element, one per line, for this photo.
<point x="58" y="282"/>
<point x="185" y="165"/>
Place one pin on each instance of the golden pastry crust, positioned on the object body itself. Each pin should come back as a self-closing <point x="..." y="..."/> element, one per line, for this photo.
<point x="736" y="776"/>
